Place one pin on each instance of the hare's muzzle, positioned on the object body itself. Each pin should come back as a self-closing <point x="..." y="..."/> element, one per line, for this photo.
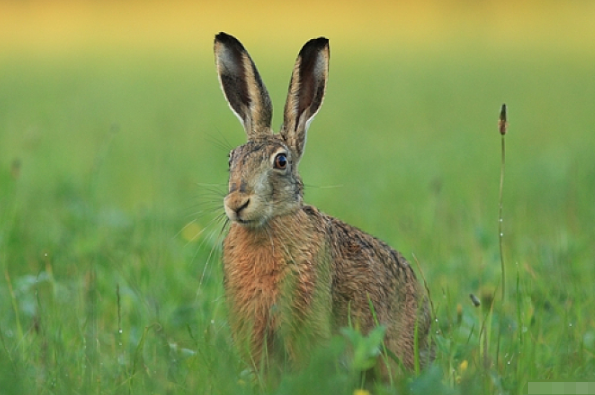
<point x="238" y="208"/>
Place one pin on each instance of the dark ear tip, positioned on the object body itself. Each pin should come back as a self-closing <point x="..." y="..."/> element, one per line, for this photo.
<point x="227" y="39"/>
<point x="320" y="41"/>
<point x="221" y="36"/>
<point x="315" y="45"/>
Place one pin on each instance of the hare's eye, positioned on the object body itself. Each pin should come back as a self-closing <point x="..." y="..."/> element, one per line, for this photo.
<point x="280" y="161"/>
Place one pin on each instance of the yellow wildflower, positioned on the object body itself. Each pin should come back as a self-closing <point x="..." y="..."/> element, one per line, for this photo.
<point x="463" y="366"/>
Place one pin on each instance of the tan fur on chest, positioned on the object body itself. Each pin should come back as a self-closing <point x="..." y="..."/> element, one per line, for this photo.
<point x="276" y="288"/>
<point x="254" y="271"/>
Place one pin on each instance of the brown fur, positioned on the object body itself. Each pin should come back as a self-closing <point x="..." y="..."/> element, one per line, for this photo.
<point x="293" y="275"/>
<point x="275" y="286"/>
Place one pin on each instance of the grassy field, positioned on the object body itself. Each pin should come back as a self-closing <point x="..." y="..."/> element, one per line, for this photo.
<point x="109" y="255"/>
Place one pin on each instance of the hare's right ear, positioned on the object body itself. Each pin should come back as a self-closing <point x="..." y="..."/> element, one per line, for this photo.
<point x="246" y="94"/>
<point x="306" y="91"/>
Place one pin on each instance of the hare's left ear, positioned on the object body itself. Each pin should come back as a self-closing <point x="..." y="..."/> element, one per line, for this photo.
<point x="306" y="91"/>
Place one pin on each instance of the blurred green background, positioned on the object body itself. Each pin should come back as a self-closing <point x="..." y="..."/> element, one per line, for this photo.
<point x="112" y="124"/>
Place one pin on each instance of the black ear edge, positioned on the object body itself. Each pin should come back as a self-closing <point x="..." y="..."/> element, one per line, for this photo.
<point x="232" y="46"/>
<point x="229" y="40"/>
<point x="313" y="45"/>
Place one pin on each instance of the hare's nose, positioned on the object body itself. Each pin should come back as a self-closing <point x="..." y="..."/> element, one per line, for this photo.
<point x="236" y="203"/>
<point x="242" y="206"/>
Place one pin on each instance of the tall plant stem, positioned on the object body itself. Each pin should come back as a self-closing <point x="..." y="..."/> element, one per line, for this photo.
<point x="502" y="126"/>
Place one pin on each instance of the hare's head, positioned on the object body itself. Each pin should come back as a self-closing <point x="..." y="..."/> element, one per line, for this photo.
<point x="263" y="173"/>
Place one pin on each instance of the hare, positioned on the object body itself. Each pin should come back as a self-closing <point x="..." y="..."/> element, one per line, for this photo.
<point x="293" y="276"/>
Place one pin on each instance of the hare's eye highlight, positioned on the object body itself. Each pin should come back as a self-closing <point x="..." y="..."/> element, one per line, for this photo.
<point x="281" y="161"/>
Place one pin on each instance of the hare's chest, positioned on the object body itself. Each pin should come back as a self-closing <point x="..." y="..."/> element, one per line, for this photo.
<point x="254" y="280"/>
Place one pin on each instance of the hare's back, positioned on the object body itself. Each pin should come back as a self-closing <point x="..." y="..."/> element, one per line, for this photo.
<point x="368" y="271"/>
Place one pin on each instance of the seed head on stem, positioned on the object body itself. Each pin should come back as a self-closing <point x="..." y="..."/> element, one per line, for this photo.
<point x="502" y="123"/>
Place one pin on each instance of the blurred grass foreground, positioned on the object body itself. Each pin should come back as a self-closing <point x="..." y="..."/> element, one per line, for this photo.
<point x="113" y="143"/>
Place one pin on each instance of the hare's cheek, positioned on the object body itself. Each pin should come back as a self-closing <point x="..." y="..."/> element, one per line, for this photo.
<point x="255" y="209"/>
<point x="262" y="185"/>
<point x="260" y="210"/>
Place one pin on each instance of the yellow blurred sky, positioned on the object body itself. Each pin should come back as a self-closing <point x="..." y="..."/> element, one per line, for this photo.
<point x="62" y="26"/>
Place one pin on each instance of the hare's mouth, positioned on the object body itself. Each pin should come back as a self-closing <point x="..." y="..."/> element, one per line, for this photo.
<point x="246" y="211"/>
<point x="251" y="223"/>
<point x="243" y="221"/>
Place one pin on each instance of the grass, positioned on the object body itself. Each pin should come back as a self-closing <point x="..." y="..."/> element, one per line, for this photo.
<point x="104" y="161"/>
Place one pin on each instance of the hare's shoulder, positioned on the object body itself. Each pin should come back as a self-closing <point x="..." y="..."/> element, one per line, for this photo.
<point x="353" y="249"/>
<point x="353" y="246"/>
